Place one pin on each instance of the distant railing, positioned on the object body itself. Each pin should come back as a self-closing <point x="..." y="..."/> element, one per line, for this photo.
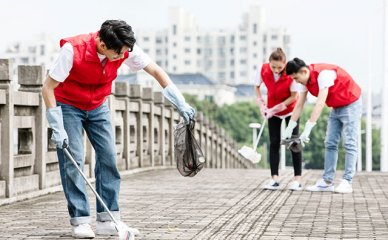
<point x="143" y="123"/>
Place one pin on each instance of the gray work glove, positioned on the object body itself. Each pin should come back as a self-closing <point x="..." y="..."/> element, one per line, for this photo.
<point x="172" y="93"/>
<point x="55" y="119"/>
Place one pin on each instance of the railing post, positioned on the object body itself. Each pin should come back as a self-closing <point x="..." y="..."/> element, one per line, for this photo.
<point x="7" y="113"/>
<point x="31" y="80"/>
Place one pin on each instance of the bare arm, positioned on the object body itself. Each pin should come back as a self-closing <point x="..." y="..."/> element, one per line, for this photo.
<point x="258" y="91"/>
<point x="319" y="105"/>
<point x="48" y="92"/>
<point x="159" y="74"/>
<point x="291" y="98"/>
<point x="299" y="106"/>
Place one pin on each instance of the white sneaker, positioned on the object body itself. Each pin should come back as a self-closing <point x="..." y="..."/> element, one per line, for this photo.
<point x="295" y="186"/>
<point x="83" y="231"/>
<point x="272" y="185"/>
<point x="344" y="187"/>
<point x="108" y="228"/>
<point x="321" y="186"/>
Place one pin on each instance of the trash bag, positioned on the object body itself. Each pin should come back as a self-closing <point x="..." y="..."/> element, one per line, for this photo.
<point x="188" y="154"/>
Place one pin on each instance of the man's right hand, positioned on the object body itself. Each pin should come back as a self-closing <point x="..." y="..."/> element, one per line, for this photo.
<point x="55" y="119"/>
<point x="262" y="106"/>
<point x="291" y="125"/>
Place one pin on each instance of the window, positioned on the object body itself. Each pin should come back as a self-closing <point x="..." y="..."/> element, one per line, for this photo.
<point x="174" y="44"/>
<point x="221" y="40"/>
<point x="231" y="62"/>
<point x="187" y="62"/>
<point x="232" y="75"/>
<point x="232" y="39"/>
<point x="254" y="43"/>
<point x="42" y="50"/>
<point x="158" y="52"/>
<point x="243" y="37"/>
<point x="187" y="50"/>
<point x="174" y="56"/>
<point x="254" y="28"/>
<point x="274" y="37"/>
<point x="158" y="40"/>
<point x="146" y="39"/>
<point x="243" y="50"/>
<point x="174" y="29"/>
<point x="243" y="61"/>
<point x="187" y="39"/>
<point x="198" y="51"/>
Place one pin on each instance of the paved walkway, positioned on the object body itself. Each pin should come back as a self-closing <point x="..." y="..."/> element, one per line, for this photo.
<point x="219" y="204"/>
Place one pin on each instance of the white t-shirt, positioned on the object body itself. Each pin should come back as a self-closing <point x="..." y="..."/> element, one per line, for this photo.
<point x="295" y="87"/>
<point x="61" y="67"/>
<point x="325" y="80"/>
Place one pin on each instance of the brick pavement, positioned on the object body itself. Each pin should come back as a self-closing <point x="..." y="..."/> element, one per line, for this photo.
<point x="219" y="204"/>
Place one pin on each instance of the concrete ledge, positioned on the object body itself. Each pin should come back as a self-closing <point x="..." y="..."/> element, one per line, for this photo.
<point x="26" y="184"/>
<point x="50" y="190"/>
<point x="2" y="189"/>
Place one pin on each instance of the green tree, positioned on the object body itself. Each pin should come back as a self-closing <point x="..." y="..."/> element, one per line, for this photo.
<point x="236" y="117"/>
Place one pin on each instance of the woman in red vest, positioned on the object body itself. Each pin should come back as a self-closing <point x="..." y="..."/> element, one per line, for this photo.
<point x="282" y="96"/>
<point x="335" y="87"/>
<point x="75" y="93"/>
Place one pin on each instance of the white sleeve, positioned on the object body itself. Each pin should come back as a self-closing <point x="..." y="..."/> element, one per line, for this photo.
<point x="326" y="78"/>
<point x="61" y="67"/>
<point x="297" y="87"/>
<point x="257" y="79"/>
<point x="137" y="59"/>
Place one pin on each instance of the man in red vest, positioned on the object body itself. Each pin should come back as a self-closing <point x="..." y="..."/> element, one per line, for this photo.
<point x="335" y="87"/>
<point x="75" y="94"/>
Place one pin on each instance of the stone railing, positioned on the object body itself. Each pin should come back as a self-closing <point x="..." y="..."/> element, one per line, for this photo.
<point x="143" y="123"/>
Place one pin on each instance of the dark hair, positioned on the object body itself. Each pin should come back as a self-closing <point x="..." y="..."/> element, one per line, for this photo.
<point x="278" y="55"/>
<point x="294" y="66"/>
<point x="116" y="34"/>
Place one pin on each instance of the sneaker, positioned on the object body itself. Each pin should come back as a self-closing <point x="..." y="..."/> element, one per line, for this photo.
<point x="272" y="185"/>
<point x="321" y="186"/>
<point x="295" y="186"/>
<point x="83" y="231"/>
<point x="108" y="228"/>
<point x="344" y="187"/>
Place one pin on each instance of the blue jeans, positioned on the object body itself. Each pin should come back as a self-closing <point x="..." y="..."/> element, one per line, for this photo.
<point x="345" y="122"/>
<point x="98" y="127"/>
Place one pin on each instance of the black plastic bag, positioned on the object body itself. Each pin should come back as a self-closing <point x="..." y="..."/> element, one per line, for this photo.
<point x="188" y="154"/>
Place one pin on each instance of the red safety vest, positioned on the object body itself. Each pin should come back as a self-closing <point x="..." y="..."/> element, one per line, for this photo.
<point x="89" y="82"/>
<point x="278" y="91"/>
<point x="344" y="91"/>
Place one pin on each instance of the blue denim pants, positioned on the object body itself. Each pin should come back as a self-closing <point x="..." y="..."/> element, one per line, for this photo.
<point x="98" y="127"/>
<point x="343" y="122"/>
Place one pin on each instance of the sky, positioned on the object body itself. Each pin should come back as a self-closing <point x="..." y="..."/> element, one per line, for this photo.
<point x="347" y="33"/>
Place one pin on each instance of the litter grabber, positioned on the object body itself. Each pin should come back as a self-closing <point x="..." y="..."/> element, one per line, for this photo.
<point x="251" y="153"/>
<point x="293" y="143"/>
<point x="124" y="232"/>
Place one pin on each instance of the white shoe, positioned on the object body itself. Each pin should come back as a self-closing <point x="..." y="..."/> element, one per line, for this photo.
<point x="272" y="185"/>
<point x="295" y="186"/>
<point x="108" y="228"/>
<point x="321" y="186"/>
<point x="83" y="231"/>
<point x="344" y="187"/>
